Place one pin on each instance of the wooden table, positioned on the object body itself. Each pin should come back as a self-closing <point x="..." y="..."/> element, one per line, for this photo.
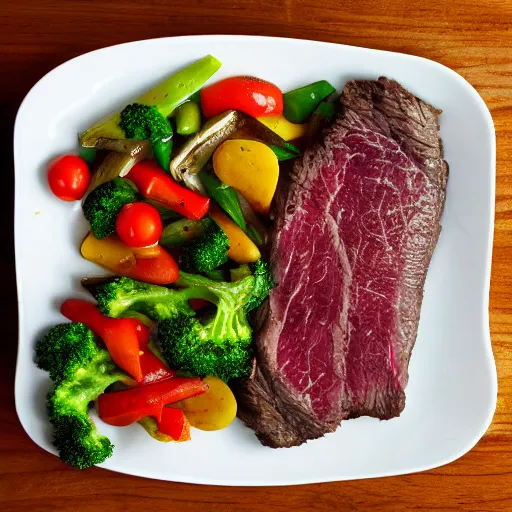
<point x="474" y="38"/>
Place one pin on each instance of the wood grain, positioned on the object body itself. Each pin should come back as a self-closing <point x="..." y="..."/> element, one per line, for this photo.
<point x="474" y="38"/>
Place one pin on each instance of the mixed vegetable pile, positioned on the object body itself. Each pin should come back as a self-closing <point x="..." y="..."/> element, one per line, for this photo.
<point x="177" y="188"/>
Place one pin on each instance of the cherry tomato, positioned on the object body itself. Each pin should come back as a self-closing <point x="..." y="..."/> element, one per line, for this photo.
<point x="69" y="177"/>
<point x="139" y="225"/>
<point x="248" y="94"/>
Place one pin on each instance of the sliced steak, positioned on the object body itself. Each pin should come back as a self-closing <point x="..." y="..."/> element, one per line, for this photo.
<point x="356" y="226"/>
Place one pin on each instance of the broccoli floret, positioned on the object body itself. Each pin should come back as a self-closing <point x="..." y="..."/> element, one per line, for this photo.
<point x="206" y="349"/>
<point x="146" y="122"/>
<point x="64" y="349"/>
<point x="103" y="204"/>
<point x="82" y="371"/>
<point x="207" y="252"/>
<point x="140" y="121"/>
<point x="263" y="283"/>
<point x="219" y="345"/>
<point x="78" y="441"/>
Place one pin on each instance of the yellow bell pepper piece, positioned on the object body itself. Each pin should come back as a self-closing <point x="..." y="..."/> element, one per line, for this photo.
<point x="283" y="127"/>
<point x="142" y="253"/>
<point x="241" y="247"/>
<point x="250" y="167"/>
<point x="108" y="252"/>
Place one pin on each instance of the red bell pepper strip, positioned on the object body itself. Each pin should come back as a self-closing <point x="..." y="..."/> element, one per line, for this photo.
<point x="126" y="340"/>
<point x="153" y="183"/>
<point x="141" y="329"/>
<point x="161" y="269"/>
<point x="122" y="408"/>
<point x="152" y="368"/>
<point x="174" y="423"/>
<point x="248" y="94"/>
<point x="119" y="336"/>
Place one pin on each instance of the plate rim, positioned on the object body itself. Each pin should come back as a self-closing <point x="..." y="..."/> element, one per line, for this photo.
<point x="490" y="361"/>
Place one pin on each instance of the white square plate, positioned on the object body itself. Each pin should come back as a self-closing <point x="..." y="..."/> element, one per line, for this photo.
<point x="451" y="394"/>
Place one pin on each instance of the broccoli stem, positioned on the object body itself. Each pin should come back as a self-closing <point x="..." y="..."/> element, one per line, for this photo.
<point x="227" y="325"/>
<point x="121" y="297"/>
<point x="221" y="290"/>
<point x="227" y="297"/>
<point x="156" y="302"/>
<point x="87" y="383"/>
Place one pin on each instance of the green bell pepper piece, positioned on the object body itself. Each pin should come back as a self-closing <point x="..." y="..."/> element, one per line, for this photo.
<point x="300" y="103"/>
<point x="162" y="152"/>
<point x="89" y="155"/>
